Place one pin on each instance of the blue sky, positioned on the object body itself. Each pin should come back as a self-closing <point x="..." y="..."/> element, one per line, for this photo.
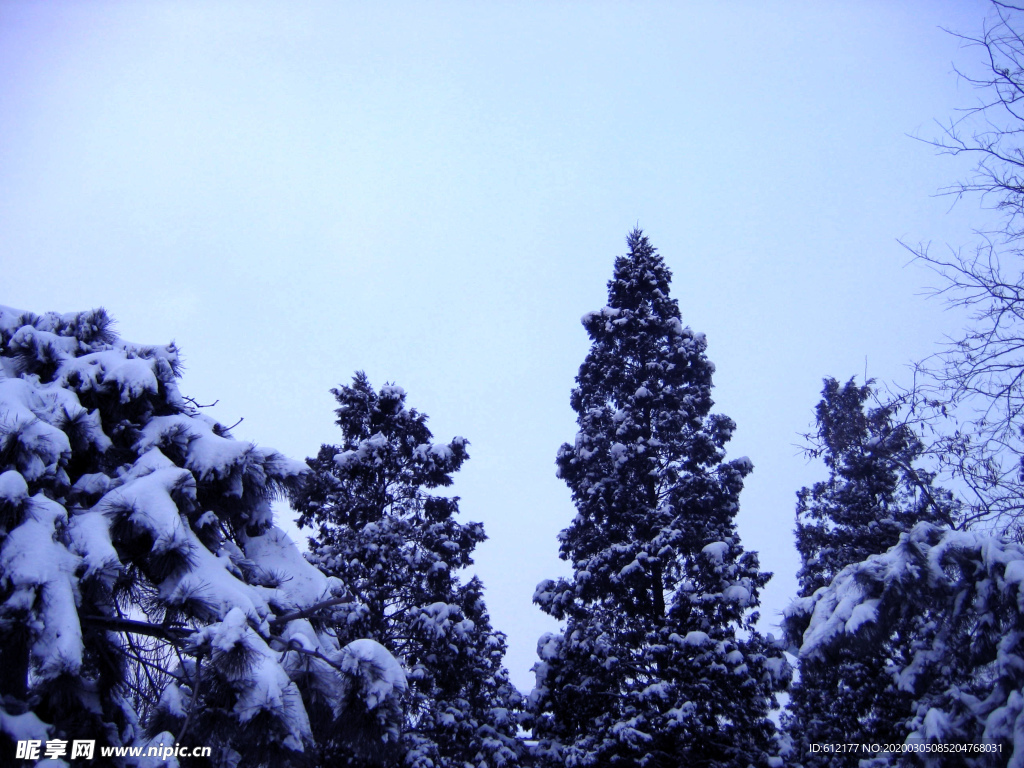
<point x="435" y="193"/>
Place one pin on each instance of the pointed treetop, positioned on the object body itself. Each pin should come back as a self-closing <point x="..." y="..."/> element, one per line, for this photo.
<point x="640" y="274"/>
<point x="637" y="238"/>
<point x="640" y="343"/>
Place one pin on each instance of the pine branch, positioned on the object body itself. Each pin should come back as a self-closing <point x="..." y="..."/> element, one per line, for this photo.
<point x="305" y="613"/>
<point x="195" y="700"/>
<point x="173" y="634"/>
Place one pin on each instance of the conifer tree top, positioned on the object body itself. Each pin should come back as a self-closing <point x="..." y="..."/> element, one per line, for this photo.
<point x="647" y="372"/>
<point x="640" y="272"/>
<point x="639" y="288"/>
<point x="874" y="491"/>
<point x="399" y="548"/>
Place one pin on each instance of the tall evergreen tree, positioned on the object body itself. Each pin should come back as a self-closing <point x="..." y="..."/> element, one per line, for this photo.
<point x="873" y="492"/>
<point x="145" y="594"/>
<point x="873" y="495"/>
<point x="659" y="663"/>
<point x="398" y="548"/>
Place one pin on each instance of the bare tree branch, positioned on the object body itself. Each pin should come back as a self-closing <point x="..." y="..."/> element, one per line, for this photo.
<point x="968" y="399"/>
<point x="305" y="613"/>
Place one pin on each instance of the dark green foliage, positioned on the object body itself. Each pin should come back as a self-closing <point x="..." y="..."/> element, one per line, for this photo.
<point x="659" y="662"/>
<point x="136" y="553"/>
<point x="397" y="547"/>
<point x="873" y="495"/>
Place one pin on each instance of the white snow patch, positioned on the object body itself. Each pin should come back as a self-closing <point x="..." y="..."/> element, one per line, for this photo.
<point x="716" y="551"/>
<point x="303" y="585"/>
<point x="381" y="675"/>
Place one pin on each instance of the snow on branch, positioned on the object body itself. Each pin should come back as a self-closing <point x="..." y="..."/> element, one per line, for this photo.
<point x="948" y="607"/>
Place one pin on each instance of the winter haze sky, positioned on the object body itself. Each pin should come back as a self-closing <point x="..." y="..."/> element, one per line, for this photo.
<point x="435" y="193"/>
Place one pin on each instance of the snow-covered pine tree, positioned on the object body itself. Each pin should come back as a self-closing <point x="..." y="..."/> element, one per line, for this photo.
<point x="874" y="493"/>
<point x="659" y="663"/>
<point x="398" y="549"/>
<point x="145" y="594"/>
<point x="954" y="598"/>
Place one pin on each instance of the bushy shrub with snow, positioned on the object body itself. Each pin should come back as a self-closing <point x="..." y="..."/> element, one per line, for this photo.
<point x="143" y="586"/>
